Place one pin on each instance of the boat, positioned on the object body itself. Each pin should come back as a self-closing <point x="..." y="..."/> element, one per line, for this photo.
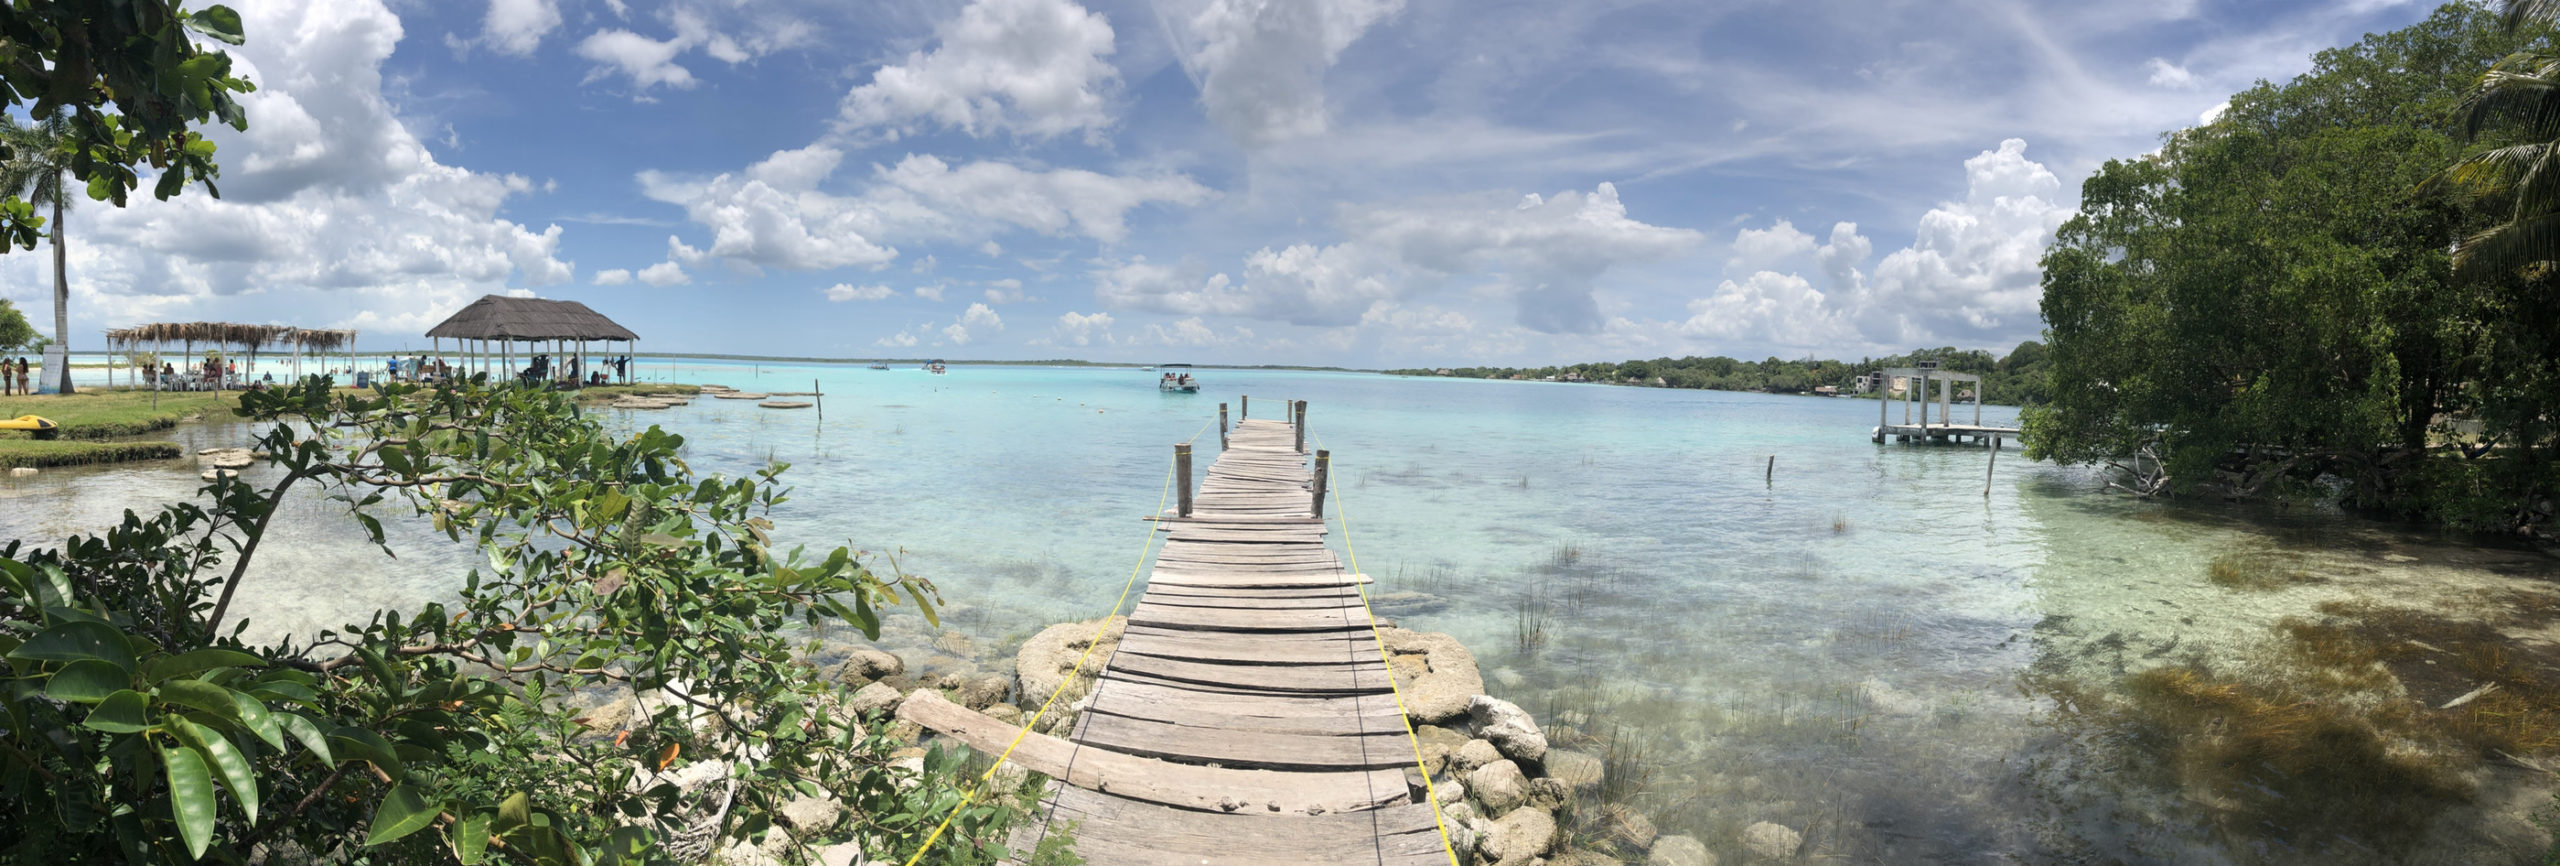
<point x="1177" y="379"/>
<point x="935" y="367"/>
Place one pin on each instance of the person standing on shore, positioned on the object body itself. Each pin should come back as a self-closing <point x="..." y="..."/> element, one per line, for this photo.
<point x="22" y="376"/>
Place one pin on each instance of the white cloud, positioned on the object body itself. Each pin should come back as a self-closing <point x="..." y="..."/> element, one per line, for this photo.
<point x="1260" y="65"/>
<point x="332" y="213"/>
<point x="1194" y="333"/>
<point x="767" y="216"/>
<point x="1544" y="254"/>
<point x="899" y="340"/>
<point x="930" y="293"/>
<point x="982" y="316"/>
<point x="1084" y="329"/>
<point x="991" y="249"/>
<point x="613" y="277"/>
<point x="850" y="292"/>
<point x="2170" y="75"/>
<point x="517" y="26"/>
<point x="1759" y="248"/>
<point x="647" y="62"/>
<point x="1777" y="309"/>
<point x="664" y="274"/>
<point x="1028" y="67"/>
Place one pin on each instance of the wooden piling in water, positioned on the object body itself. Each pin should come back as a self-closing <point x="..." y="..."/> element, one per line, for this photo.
<point x="1222" y="427"/>
<point x="1182" y="467"/>
<point x="1987" y="467"/>
<point x="1771" y="478"/>
<point x="1244" y="406"/>
<point x="1324" y="466"/>
<point x="1300" y="425"/>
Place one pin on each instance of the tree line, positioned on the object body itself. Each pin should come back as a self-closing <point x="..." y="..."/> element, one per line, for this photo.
<point x="2015" y="379"/>
<point x="2342" y="286"/>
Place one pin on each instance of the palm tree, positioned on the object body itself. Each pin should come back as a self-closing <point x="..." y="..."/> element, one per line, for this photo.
<point x="39" y="161"/>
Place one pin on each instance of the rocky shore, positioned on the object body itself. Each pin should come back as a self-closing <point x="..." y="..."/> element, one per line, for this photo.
<point x="1511" y="791"/>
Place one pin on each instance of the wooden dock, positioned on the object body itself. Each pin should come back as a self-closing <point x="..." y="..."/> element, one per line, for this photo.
<point x="1929" y="388"/>
<point x="1247" y="717"/>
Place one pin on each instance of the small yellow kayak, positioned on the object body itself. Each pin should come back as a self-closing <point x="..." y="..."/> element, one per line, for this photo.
<point x="42" y="426"/>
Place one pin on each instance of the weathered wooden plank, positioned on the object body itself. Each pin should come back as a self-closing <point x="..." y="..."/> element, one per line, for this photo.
<point x="1119" y="701"/>
<point x="1183" y="786"/>
<point x="1343" y="591"/>
<point x="1143" y="697"/>
<point x="1333" y="602"/>
<point x="1251" y="580"/>
<point x="1242" y="749"/>
<point x="1215" y="619"/>
<point x="1119" y="831"/>
<point x="1341" y="678"/>
<point x="1291" y="649"/>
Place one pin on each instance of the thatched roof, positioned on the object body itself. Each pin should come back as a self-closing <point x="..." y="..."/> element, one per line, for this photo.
<point x="501" y="318"/>
<point x="231" y="334"/>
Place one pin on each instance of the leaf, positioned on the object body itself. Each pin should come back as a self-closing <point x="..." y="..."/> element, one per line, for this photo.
<point x="352" y="743"/>
<point x="120" y="713"/>
<point x="470" y="838"/>
<point x="304" y="731"/>
<point x="218" y="22"/>
<point x="513" y="812"/>
<point x="225" y="759"/>
<point x="190" y="797"/>
<point x="87" y="681"/>
<point x="201" y="695"/>
<point x="167" y="667"/>
<point x="402" y="812"/>
<point x="73" y="641"/>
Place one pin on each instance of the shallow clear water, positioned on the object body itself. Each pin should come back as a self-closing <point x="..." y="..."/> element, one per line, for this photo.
<point x="1834" y="644"/>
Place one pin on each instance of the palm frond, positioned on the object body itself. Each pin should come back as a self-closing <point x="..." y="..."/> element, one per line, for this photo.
<point x="2517" y="12"/>
<point x="2524" y="87"/>
<point x="2489" y="175"/>
<point x="2508" y="248"/>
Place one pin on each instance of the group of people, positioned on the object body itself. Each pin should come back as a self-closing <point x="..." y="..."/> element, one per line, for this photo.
<point x="13" y="376"/>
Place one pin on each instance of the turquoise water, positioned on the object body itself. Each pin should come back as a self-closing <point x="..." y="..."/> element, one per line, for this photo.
<point x="1835" y="643"/>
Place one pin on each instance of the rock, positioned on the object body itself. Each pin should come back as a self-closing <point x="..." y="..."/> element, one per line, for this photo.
<point x="867" y="665"/>
<point x="1548" y="794"/>
<point x="22" y="471"/>
<point x="691" y="777"/>
<point x="1577" y="770"/>
<point x="1437" y="744"/>
<point x="613" y="715"/>
<point x="1518" y="838"/>
<point x="979" y="692"/>
<point x="1450" y="791"/>
<point x="1407" y="603"/>
<point x="224" y="458"/>
<point x="1006" y="713"/>
<point x="812" y="814"/>
<point x="1475" y="753"/>
<point x="1498" y="787"/>
<point x="1048" y="657"/>
<point x="1465" y="826"/>
<point x="1440" y="695"/>
<point x="1680" y="851"/>
<point x="1771" y="841"/>
<point x="840" y="854"/>
<point x="871" y="700"/>
<point x="1584" y="858"/>
<point x="956" y="644"/>
<point x="1632" y="829"/>
<point x="1509" y="727"/>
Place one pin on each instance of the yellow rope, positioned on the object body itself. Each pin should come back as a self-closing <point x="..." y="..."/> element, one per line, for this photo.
<point x="971" y="795"/>
<point x="1430" y="790"/>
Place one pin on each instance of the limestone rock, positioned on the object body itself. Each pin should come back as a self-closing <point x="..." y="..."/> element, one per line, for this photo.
<point x="1045" y="660"/>
<point x="1548" y="794"/>
<point x="1771" y="841"/>
<point x="1006" y="713"/>
<point x="812" y="814"/>
<point x="979" y="692"/>
<point x="1577" y="770"/>
<point x="871" y="700"/>
<point x="1465" y="826"/>
<point x="1680" y="851"/>
<point x="611" y="716"/>
<point x="867" y="665"/>
<point x="1439" y="695"/>
<point x="1509" y="727"/>
<point x="23" y="471"/>
<point x="1518" y="838"/>
<point x="1437" y="744"/>
<point x="1632" y="829"/>
<point x="1498" y="787"/>
<point x="1584" y="858"/>
<point x="1475" y="753"/>
<point x="840" y="854"/>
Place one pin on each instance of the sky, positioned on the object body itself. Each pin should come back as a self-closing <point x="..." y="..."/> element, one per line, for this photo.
<point x="1366" y="183"/>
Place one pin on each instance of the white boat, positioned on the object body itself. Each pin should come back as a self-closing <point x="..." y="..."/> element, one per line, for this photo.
<point x="1177" y="379"/>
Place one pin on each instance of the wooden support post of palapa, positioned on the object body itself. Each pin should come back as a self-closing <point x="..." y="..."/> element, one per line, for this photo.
<point x="1222" y="426"/>
<point x="1986" y="469"/>
<point x="1182" y="467"/>
<point x="1300" y="425"/>
<point x="1324" y="464"/>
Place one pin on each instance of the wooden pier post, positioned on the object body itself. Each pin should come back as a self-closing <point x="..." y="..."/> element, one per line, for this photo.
<point x="1771" y="479"/>
<point x="1222" y="427"/>
<point x="1987" y="467"/>
<point x="1182" y="467"/>
<point x="1884" y="404"/>
<point x="1300" y="426"/>
<point x="1244" y="406"/>
<point x="1324" y="466"/>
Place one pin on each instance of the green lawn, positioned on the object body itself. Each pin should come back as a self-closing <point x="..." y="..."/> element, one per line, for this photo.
<point x="101" y="414"/>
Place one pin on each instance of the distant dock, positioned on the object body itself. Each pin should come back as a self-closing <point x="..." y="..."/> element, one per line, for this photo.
<point x="1924" y="389"/>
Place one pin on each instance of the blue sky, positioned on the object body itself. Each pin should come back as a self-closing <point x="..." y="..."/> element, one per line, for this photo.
<point x="1353" y="182"/>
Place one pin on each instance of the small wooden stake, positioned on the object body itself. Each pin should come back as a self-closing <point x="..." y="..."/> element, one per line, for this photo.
<point x="1182" y="467"/>
<point x="1324" y="464"/>
<point x="1987" y="467"/>
<point x="1771" y="478"/>
<point x="1244" y="406"/>
<point x="1222" y="426"/>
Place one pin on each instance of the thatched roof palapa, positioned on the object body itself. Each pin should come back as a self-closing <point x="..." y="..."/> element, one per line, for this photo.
<point x="254" y="337"/>
<point x="529" y="319"/>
